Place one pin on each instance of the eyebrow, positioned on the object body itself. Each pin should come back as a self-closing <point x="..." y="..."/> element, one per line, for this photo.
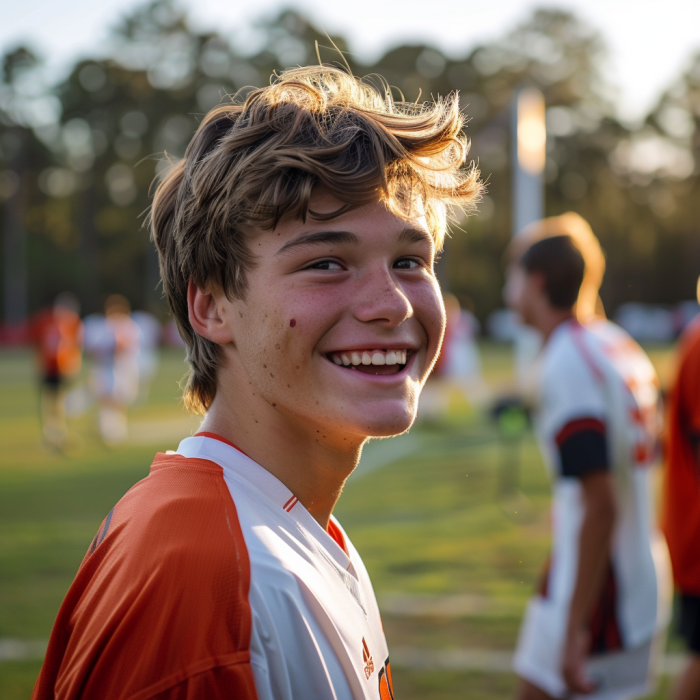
<point x="319" y="237"/>
<point x="415" y="235"/>
<point x="408" y="235"/>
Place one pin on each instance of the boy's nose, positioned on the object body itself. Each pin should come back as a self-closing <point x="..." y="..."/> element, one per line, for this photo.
<point x="382" y="300"/>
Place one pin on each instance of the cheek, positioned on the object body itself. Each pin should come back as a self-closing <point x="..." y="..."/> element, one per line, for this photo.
<point x="280" y="337"/>
<point x="430" y="312"/>
<point x="514" y="290"/>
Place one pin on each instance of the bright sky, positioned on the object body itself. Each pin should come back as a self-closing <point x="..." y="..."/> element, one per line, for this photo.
<point x="650" y="40"/>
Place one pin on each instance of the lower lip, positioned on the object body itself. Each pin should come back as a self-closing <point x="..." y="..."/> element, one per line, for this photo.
<point x="397" y="378"/>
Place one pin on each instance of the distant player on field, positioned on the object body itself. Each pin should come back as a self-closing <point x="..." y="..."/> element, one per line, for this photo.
<point x="112" y="340"/>
<point x="296" y="240"/>
<point x="681" y="507"/>
<point x="597" y="624"/>
<point x="57" y="334"/>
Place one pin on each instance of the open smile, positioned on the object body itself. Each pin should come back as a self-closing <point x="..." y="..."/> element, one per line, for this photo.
<point x="372" y="361"/>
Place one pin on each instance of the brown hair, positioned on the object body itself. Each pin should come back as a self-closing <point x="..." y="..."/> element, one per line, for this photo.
<point x="588" y="303"/>
<point x="258" y="158"/>
<point x="560" y="262"/>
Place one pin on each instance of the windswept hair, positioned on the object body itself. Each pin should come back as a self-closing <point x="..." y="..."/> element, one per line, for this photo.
<point x="259" y="158"/>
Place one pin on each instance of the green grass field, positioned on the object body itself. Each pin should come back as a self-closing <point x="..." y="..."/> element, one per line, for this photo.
<point x="436" y="522"/>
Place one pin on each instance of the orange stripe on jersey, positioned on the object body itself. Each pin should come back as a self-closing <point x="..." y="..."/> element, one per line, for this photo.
<point x="388" y="675"/>
<point x="386" y="687"/>
<point x="290" y="503"/>
<point x="214" y="436"/>
<point x="159" y="606"/>
<point x="335" y="532"/>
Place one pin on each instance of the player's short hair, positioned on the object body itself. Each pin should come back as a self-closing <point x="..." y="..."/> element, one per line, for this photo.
<point x="581" y="234"/>
<point x="259" y="157"/>
<point x="561" y="264"/>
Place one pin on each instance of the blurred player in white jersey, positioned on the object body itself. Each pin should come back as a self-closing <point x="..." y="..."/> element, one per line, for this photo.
<point x="112" y="341"/>
<point x="597" y="624"/>
<point x="150" y="335"/>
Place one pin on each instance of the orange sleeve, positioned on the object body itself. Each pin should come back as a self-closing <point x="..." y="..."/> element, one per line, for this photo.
<point x="680" y="512"/>
<point x="223" y="683"/>
<point x="159" y="608"/>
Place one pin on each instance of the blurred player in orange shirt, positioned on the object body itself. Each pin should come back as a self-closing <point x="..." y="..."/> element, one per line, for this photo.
<point x="681" y="516"/>
<point x="57" y="334"/>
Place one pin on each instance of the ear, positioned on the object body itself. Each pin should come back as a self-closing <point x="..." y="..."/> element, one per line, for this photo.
<point x="208" y="314"/>
<point x="538" y="281"/>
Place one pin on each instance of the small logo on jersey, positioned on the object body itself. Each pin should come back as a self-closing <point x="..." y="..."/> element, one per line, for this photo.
<point x="369" y="664"/>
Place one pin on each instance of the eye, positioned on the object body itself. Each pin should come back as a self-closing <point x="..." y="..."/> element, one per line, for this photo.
<point x="325" y="265"/>
<point x="406" y="264"/>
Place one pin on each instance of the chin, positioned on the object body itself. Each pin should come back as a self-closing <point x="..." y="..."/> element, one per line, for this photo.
<point x="385" y="421"/>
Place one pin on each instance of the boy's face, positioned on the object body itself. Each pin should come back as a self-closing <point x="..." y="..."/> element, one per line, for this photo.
<point x="325" y="296"/>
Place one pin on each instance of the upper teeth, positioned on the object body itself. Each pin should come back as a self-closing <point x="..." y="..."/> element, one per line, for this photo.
<point x="370" y="357"/>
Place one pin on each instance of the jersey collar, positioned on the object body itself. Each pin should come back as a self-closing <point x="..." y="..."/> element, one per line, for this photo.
<point x="234" y="462"/>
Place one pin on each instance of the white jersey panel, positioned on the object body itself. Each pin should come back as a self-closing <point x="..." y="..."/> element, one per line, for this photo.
<point x="316" y="625"/>
<point x="568" y="391"/>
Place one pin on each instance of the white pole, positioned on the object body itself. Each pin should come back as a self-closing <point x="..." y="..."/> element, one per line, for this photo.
<point x="529" y="155"/>
<point x="529" y="149"/>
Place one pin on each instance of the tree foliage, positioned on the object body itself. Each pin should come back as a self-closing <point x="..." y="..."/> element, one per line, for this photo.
<point x="77" y="159"/>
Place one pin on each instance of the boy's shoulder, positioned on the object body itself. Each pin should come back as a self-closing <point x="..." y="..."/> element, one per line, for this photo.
<point x="162" y="593"/>
<point x="564" y="361"/>
<point x="571" y="376"/>
<point x="175" y="532"/>
<point x="582" y="353"/>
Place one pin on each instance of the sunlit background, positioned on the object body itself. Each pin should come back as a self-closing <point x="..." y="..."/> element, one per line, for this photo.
<point x="92" y="94"/>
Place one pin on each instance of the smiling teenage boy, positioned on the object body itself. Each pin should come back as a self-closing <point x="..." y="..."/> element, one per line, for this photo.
<point x="296" y="240"/>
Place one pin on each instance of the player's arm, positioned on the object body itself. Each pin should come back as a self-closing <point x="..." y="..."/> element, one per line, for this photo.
<point x="583" y="454"/>
<point x="595" y="537"/>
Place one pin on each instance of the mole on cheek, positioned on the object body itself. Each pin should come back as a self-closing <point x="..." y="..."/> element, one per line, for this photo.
<point x="293" y="322"/>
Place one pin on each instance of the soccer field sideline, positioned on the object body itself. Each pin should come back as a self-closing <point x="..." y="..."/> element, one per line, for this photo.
<point x="450" y="659"/>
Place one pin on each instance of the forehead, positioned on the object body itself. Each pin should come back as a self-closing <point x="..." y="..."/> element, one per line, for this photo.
<point x="374" y="218"/>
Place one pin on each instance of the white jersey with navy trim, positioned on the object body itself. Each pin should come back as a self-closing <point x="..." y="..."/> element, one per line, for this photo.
<point x="316" y="629"/>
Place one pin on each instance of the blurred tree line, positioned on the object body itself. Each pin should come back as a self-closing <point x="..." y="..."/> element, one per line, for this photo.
<point x="78" y="158"/>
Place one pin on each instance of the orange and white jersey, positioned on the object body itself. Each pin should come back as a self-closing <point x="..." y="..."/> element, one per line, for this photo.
<point x="210" y="579"/>
<point x="316" y="625"/>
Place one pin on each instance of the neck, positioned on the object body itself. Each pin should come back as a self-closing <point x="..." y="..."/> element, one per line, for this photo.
<point x="314" y="471"/>
<point x="552" y="318"/>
